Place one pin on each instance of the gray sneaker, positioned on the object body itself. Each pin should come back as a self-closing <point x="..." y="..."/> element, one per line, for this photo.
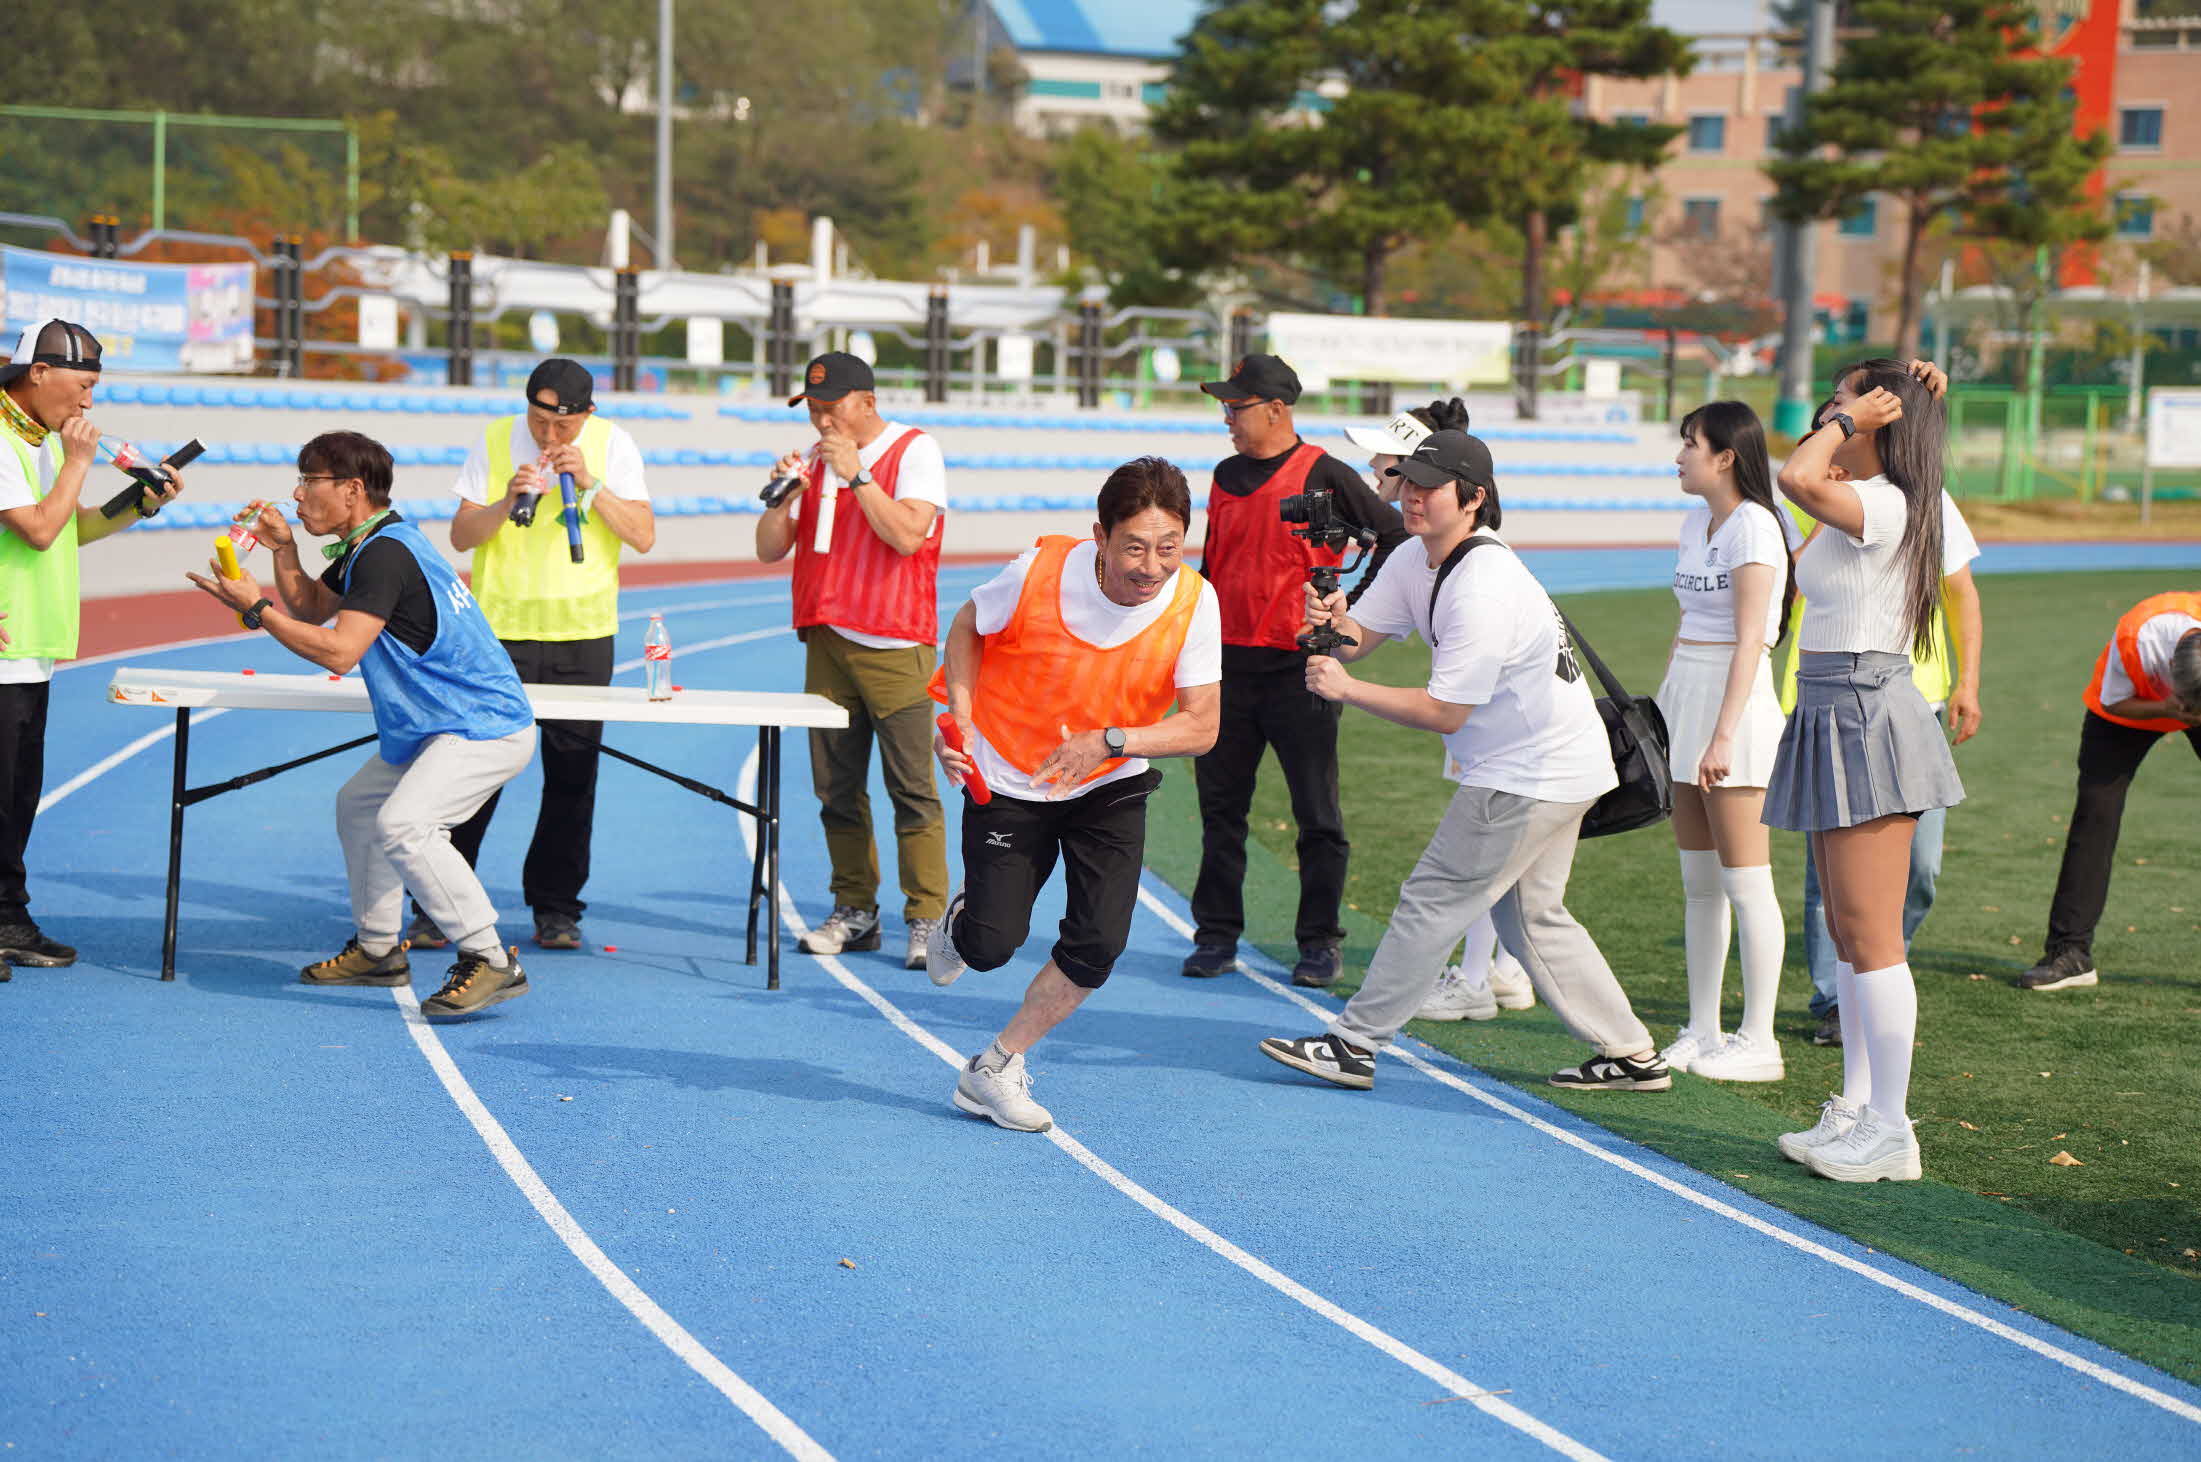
<point x="422" y="933"/>
<point x="920" y="939"/>
<point x="940" y="959"/>
<point x="1829" y="1031"/>
<point x="1002" y="1097"/>
<point x="845" y="929"/>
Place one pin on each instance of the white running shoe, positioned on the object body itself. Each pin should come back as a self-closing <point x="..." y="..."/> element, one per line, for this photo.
<point x="1836" y="1117"/>
<point x="845" y="930"/>
<point x="1002" y="1097"/>
<point x="1689" y="1047"/>
<point x="1871" y="1150"/>
<point x="1741" y="1057"/>
<point x="1458" y="998"/>
<point x="941" y="961"/>
<point x="1510" y="983"/>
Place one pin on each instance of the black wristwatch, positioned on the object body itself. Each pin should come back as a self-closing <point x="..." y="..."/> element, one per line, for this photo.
<point x="1112" y="738"/>
<point x="250" y="618"/>
<point x="1841" y="419"/>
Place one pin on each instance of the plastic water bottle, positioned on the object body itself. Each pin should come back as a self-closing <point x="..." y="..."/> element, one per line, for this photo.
<point x="657" y="659"/>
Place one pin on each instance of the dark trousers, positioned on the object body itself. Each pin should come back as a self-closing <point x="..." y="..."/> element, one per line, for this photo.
<point x="557" y="859"/>
<point x="1009" y="852"/>
<point x="1271" y="708"/>
<point x="2108" y="756"/>
<point x="23" y="758"/>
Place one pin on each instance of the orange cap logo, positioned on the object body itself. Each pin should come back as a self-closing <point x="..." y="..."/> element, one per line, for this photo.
<point x="817" y="374"/>
<point x="1240" y="368"/>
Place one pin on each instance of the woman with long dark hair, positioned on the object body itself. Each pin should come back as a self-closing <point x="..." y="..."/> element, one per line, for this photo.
<point x="1862" y="755"/>
<point x="1732" y="581"/>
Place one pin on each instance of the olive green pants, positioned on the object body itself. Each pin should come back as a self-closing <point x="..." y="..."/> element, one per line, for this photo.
<point x="883" y="692"/>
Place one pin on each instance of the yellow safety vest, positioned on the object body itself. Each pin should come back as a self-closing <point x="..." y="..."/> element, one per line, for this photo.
<point x="525" y="579"/>
<point x="1931" y="672"/>
<point x="38" y="588"/>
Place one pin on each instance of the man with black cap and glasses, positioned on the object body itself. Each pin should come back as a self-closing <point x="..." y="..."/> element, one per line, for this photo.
<point x="1259" y="571"/>
<point x="1524" y="741"/>
<point x="50" y="445"/>
<point x="865" y="531"/>
<point x="557" y="619"/>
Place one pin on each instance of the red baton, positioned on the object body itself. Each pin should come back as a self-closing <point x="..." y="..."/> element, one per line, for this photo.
<point x="975" y="783"/>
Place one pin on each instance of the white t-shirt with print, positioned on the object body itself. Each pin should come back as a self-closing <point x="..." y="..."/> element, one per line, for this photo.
<point x="1704" y="570"/>
<point x="2157" y="639"/>
<point x="622" y="467"/>
<point x="1497" y="647"/>
<point x="17" y="492"/>
<point x="922" y="477"/>
<point x="1098" y="620"/>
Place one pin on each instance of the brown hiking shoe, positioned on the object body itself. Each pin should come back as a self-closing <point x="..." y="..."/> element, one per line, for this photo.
<point x="352" y="965"/>
<point x="476" y="984"/>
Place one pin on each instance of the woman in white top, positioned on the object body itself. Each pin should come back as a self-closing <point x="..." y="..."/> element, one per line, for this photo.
<point x="1724" y="721"/>
<point x="1862" y="755"/>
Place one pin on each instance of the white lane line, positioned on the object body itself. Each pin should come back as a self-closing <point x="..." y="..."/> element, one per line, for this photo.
<point x="769" y="1418"/>
<point x="1483" y="1399"/>
<point x="718" y="644"/>
<point x="107" y="764"/>
<point x="2093" y="1371"/>
<point x="697" y="606"/>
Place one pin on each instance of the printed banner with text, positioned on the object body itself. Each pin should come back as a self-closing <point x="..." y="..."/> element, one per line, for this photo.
<point x="148" y="317"/>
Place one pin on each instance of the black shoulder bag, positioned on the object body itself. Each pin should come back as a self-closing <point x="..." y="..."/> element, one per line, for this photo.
<point x="1635" y="728"/>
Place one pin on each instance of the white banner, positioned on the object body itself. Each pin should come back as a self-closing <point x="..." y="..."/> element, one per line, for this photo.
<point x="1359" y="348"/>
<point x="706" y="341"/>
<point x="2174" y="428"/>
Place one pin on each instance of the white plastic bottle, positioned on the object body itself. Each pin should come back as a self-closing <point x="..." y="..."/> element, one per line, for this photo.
<point x="657" y="659"/>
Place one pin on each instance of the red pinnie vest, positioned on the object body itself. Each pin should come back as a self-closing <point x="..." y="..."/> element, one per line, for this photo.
<point x="1258" y="569"/>
<point x="861" y="584"/>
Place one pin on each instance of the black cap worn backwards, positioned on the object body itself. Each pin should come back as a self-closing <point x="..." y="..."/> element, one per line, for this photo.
<point x="1448" y="456"/>
<point x="832" y="376"/>
<point x="568" y="382"/>
<point x="55" y="343"/>
<point x="1256" y="378"/>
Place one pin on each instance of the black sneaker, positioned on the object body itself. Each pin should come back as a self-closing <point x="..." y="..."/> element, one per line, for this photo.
<point x="1209" y="960"/>
<point x="352" y="965"/>
<point x="2066" y="969"/>
<point x="1317" y="968"/>
<point x="1616" y="1073"/>
<point x="1829" y="1032"/>
<point x="557" y="931"/>
<point x="1333" y="1058"/>
<point x="476" y="984"/>
<point x="24" y="944"/>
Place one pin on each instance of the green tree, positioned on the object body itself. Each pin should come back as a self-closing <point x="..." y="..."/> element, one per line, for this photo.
<point x="1113" y="192"/>
<point x="1936" y="105"/>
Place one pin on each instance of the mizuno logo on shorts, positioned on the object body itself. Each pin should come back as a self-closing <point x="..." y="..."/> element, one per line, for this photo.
<point x="997" y="840"/>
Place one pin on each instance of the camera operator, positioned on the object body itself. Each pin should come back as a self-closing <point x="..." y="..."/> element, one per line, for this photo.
<point x="865" y="531"/>
<point x="45" y="391"/>
<point x="1530" y="754"/>
<point x="1259" y="570"/>
<point x="558" y="619"/>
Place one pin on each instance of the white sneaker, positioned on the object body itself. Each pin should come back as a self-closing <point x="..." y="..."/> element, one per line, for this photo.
<point x="1510" y="983"/>
<point x="939" y="958"/>
<point x="1871" y="1150"/>
<point x="1836" y="1117"/>
<point x="1741" y="1057"/>
<point x="844" y="930"/>
<point x="1690" y="1046"/>
<point x="1458" y="998"/>
<point x="1002" y="1097"/>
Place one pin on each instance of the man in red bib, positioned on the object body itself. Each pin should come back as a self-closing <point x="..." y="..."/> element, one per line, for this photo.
<point x="865" y="532"/>
<point x="1060" y="675"/>
<point x="1259" y="571"/>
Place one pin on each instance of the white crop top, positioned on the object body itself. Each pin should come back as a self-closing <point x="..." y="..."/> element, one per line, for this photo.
<point x="1704" y="570"/>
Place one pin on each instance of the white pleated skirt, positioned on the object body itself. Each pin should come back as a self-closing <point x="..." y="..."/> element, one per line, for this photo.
<point x="1689" y="699"/>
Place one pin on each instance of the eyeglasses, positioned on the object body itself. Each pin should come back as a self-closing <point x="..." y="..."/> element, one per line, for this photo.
<point x="319" y="477"/>
<point x="1232" y="409"/>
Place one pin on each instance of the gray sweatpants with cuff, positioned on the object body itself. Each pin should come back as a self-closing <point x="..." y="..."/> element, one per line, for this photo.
<point x="395" y="824"/>
<point x="1508" y="856"/>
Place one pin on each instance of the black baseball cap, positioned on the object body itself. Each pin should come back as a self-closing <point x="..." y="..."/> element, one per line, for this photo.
<point x="1256" y="378"/>
<point x="832" y="376"/>
<point x="55" y="343"/>
<point x="1448" y="456"/>
<point x="568" y="382"/>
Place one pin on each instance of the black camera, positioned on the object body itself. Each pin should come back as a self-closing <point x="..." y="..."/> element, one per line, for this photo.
<point x="778" y="490"/>
<point x="1316" y="511"/>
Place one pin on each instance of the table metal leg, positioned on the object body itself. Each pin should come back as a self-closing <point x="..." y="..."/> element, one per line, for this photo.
<point x="756" y="861"/>
<point x="768" y="791"/>
<point x="175" y="843"/>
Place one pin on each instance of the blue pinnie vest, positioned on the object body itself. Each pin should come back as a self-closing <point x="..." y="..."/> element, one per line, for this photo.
<point x="464" y="686"/>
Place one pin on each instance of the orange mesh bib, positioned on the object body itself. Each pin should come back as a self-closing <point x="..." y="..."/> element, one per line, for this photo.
<point x="2126" y="647"/>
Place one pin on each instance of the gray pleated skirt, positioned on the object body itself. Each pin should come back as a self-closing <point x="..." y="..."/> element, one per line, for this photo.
<point x="1860" y="744"/>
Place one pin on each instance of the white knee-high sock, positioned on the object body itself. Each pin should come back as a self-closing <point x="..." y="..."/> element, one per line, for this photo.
<point x="1890" y="1025"/>
<point x="1856" y="1060"/>
<point x="1482" y="938"/>
<point x="1703" y="936"/>
<point x="1764" y="940"/>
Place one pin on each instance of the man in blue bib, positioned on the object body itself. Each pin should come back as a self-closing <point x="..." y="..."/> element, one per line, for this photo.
<point x="453" y="721"/>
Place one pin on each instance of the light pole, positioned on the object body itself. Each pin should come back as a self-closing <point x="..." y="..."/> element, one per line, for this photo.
<point x="664" y="134"/>
<point x="1792" y="415"/>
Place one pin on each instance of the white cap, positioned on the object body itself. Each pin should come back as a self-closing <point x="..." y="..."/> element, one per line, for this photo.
<point x="1397" y="437"/>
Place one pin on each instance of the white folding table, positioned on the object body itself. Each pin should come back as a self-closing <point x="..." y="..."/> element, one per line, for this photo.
<point x="185" y="691"/>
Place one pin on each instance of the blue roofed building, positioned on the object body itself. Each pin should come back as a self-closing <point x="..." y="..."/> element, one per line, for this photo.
<point x="1088" y="61"/>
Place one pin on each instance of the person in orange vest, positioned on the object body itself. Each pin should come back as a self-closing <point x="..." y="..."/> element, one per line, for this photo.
<point x="865" y="532"/>
<point x="1259" y="571"/>
<point x="1060" y="676"/>
<point x="2146" y="685"/>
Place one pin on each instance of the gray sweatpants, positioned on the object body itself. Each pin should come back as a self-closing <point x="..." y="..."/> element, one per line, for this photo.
<point x="395" y="824"/>
<point x="1508" y="856"/>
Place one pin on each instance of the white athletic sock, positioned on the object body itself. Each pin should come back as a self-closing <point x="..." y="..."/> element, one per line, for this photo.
<point x="1889" y="1023"/>
<point x="488" y="947"/>
<point x="1703" y="936"/>
<point x="1856" y="1060"/>
<point x="1482" y="940"/>
<point x="995" y="1058"/>
<point x="1764" y="941"/>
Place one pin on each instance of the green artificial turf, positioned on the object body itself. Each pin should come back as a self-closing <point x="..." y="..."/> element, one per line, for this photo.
<point x="2004" y="1079"/>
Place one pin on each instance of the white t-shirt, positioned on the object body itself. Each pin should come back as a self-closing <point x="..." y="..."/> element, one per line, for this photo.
<point x="1497" y="646"/>
<point x="622" y="467"/>
<point x="922" y="477"/>
<point x="2155" y="642"/>
<point x="1704" y="570"/>
<point x="1853" y="588"/>
<point x="1098" y="620"/>
<point x="18" y="492"/>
